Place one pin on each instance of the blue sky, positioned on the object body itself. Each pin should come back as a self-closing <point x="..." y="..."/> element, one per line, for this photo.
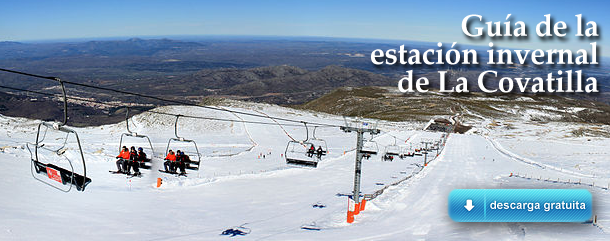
<point x="431" y="21"/>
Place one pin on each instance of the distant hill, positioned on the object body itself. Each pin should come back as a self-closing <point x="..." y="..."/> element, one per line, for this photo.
<point x="389" y="104"/>
<point x="284" y="71"/>
<point x="281" y="84"/>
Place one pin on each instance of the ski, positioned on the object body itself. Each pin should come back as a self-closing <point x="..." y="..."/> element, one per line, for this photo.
<point x="173" y="173"/>
<point x="311" y="228"/>
<point x="129" y="175"/>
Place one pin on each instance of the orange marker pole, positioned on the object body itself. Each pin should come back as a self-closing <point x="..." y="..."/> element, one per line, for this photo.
<point x="350" y="211"/>
<point x="362" y="204"/>
<point x="159" y="182"/>
<point x="350" y="217"/>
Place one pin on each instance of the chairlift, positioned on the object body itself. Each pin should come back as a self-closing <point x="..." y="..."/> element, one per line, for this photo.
<point x="418" y="150"/>
<point x="192" y="152"/>
<point x="59" y="165"/>
<point x="370" y="147"/>
<point x="407" y="151"/>
<point x="318" y="142"/>
<point x="133" y="135"/>
<point x="299" y="153"/>
<point x="391" y="151"/>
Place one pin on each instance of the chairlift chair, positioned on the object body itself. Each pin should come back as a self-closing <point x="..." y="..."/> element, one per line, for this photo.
<point x="370" y="147"/>
<point x="391" y="151"/>
<point x="407" y="151"/>
<point x="61" y="171"/>
<point x="133" y="135"/>
<point x="298" y="152"/>
<point x="193" y="153"/>
<point x="318" y="142"/>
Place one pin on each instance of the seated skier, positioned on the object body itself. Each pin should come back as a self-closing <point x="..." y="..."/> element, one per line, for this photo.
<point x="181" y="161"/>
<point x="319" y="152"/>
<point x="123" y="159"/>
<point x="138" y="159"/>
<point x="170" y="162"/>
<point x="311" y="151"/>
<point x="128" y="163"/>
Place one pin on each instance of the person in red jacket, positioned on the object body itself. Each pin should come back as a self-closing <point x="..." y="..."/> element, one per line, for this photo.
<point x="311" y="151"/>
<point x="123" y="157"/>
<point x="170" y="162"/>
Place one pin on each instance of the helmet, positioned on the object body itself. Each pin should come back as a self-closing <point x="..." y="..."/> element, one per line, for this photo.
<point x="140" y="149"/>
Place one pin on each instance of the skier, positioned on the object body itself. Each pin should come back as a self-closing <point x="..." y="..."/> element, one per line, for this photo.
<point x="311" y="151"/>
<point x="139" y="158"/>
<point x="128" y="163"/>
<point x="182" y="160"/>
<point x="319" y="152"/>
<point x="170" y="160"/>
<point x="123" y="159"/>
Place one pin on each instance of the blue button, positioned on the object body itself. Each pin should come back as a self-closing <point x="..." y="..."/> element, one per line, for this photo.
<point x="520" y="205"/>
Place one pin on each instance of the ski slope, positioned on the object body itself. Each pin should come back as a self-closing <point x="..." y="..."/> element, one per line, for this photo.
<point x="237" y="187"/>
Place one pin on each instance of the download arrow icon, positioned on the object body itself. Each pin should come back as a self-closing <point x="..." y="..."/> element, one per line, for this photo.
<point x="469" y="205"/>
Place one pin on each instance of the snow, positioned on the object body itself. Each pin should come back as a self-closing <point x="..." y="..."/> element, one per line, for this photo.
<point x="237" y="188"/>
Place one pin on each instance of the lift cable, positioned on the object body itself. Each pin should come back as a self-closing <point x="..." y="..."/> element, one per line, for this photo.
<point x="149" y="111"/>
<point x="163" y="99"/>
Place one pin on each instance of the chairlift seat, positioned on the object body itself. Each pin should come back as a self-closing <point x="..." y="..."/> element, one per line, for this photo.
<point x="301" y="162"/>
<point x="55" y="173"/>
<point x="66" y="177"/>
<point x="297" y="153"/>
<point x="370" y="152"/>
<point x="194" y="156"/>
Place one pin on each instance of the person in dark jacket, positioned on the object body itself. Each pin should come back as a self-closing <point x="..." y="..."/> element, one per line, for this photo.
<point x="128" y="163"/>
<point x="319" y="152"/>
<point x="181" y="161"/>
<point x="138" y="160"/>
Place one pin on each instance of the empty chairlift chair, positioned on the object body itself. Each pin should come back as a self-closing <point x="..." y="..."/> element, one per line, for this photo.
<point x="57" y="158"/>
<point x="370" y="147"/>
<point x="189" y="148"/>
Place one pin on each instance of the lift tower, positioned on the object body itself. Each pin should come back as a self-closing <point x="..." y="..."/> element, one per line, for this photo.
<point x="359" y="143"/>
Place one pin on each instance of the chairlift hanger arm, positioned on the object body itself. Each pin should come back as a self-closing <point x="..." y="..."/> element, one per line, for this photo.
<point x="176" y="128"/>
<point x="127" y="121"/>
<point x="306" y="131"/>
<point x="63" y="91"/>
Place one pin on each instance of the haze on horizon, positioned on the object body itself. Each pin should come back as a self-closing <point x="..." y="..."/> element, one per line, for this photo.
<point x="394" y="20"/>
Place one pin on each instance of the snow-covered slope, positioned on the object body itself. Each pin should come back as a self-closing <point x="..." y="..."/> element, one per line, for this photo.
<point x="236" y="186"/>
